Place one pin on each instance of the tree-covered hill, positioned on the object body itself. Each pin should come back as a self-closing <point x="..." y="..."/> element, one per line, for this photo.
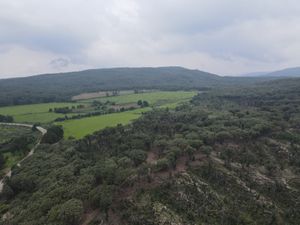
<point x="229" y="157"/>
<point x="61" y="87"/>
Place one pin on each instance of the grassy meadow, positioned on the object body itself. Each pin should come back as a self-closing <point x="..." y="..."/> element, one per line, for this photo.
<point x="82" y="127"/>
<point x="154" y="98"/>
<point x="34" y="113"/>
<point x="39" y="113"/>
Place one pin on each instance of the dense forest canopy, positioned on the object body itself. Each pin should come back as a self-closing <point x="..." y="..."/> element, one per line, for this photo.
<point x="61" y="87"/>
<point x="230" y="156"/>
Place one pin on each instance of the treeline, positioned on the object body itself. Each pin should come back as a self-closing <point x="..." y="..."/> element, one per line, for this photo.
<point x="143" y="103"/>
<point x="6" y="119"/>
<point x="66" y="109"/>
<point x="103" y="111"/>
<point x="53" y="135"/>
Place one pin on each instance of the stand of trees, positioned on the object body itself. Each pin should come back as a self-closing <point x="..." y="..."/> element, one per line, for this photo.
<point x="143" y="103"/>
<point x="53" y="135"/>
<point x="6" y="119"/>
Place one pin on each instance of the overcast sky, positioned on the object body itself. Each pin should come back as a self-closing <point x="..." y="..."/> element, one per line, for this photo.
<point x="219" y="36"/>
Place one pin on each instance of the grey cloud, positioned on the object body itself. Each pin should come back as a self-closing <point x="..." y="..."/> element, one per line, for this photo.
<point x="55" y="40"/>
<point x="59" y="63"/>
<point x="222" y="36"/>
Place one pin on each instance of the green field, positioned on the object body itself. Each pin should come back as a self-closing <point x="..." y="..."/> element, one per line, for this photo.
<point x="34" y="113"/>
<point x="39" y="113"/>
<point x="154" y="98"/>
<point x="81" y="127"/>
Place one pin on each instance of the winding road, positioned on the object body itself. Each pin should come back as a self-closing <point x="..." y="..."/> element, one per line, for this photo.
<point x="40" y="129"/>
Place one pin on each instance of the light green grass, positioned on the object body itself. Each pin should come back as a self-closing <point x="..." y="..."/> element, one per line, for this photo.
<point x="82" y="127"/>
<point x="154" y="98"/>
<point x="34" y="113"/>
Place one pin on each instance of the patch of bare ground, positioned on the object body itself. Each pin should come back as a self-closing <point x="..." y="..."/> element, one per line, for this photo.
<point x="91" y="95"/>
<point x="181" y="164"/>
<point x="199" y="159"/>
<point x="124" y="106"/>
<point x="85" y="96"/>
<point x="89" y="216"/>
<point x="151" y="157"/>
<point x="215" y="158"/>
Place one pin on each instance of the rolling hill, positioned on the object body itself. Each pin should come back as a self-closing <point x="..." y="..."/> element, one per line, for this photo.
<point x="285" y="73"/>
<point x="289" y="72"/>
<point x="62" y="86"/>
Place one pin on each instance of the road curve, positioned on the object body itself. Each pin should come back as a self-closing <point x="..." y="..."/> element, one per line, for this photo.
<point x="40" y="129"/>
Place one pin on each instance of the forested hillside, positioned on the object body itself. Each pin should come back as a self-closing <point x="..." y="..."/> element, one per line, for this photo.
<point x="229" y="157"/>
<point x="61" y="87"/>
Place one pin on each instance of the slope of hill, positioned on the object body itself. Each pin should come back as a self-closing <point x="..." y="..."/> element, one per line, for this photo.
<point x="229" y="157"/>
<point x="61" y="87"/>
<point x="253" y="74"/>
<point x="289" y="72"/>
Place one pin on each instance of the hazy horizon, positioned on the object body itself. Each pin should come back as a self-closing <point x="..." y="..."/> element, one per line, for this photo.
<point x="226" y="37"/>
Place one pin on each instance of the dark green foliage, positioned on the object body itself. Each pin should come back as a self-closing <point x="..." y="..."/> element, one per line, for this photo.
<point x="142" y="103"/>
<point x="68" y="213"/>
<point x="62" y="110"/>
<point x="53" y="135"/>
<point x="162" y="164"/>
<point x="2" y="161"/>
<point x="102" y="197"/>
<point x="137" y="156"/>
<point x="6" y="119"/>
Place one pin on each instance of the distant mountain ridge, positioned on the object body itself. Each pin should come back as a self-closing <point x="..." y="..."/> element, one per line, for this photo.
<point x="288" y="72"/>
<point x="253" y="74"/>
<point x="62" y="86"/>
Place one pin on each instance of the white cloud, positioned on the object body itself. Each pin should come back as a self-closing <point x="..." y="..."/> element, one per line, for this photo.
<point x="221" y="36"/>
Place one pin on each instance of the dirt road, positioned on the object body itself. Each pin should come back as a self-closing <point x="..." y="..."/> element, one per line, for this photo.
<point x="40" y="129"/>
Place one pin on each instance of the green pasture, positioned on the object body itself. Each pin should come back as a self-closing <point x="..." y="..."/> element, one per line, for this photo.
<point x="35" y="113"/>
<point x="82" y="127"/>
<point x="39" y="113"/>
<point x="154" y="98"/>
